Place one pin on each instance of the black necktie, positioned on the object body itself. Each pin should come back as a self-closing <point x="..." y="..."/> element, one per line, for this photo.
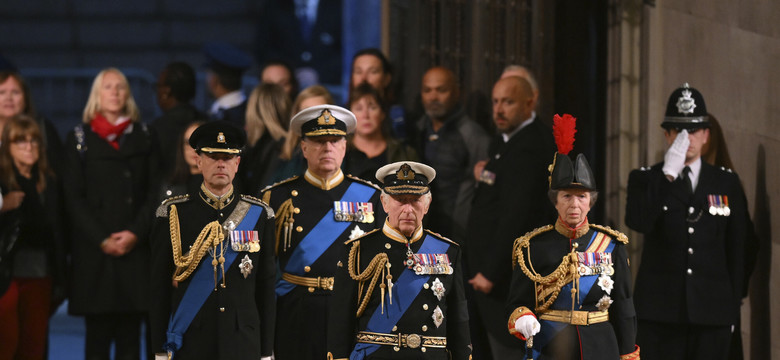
<point x="686" y="176"/>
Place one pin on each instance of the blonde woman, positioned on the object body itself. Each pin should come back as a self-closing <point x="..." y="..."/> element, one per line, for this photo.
<point x="109" y="190"/>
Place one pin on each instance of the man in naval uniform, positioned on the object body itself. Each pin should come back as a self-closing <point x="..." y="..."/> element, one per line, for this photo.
<point x="695" y="220"/>
<point x="316" y="213"/>
<point x="570" y="296"/>
<point x="400" y="292"/>
<point x="213" y="266"/>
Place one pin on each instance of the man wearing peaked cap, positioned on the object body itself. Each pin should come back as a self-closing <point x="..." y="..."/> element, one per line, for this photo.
<point x="315" y="214"/>
<point x="400" y="294"/>
<point x="571" y="296"/>
<point x="215" y="300"/>
<point x="695" y="220"/>
<point x="226" y="65"/>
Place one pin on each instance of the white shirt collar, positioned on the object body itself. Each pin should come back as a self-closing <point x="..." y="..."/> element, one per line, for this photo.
<point x="525" y="123"/>
<point x="227" y="101"/>
<point x="695" y="171"/>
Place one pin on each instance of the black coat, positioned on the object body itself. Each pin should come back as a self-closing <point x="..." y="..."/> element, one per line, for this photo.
<point x="106" y="191"/>
<point x="418" y="318"/>
<point x="606" y="340"/>
<point x="235" y="115"/>
<point x="258" y="163"/>
<point x="235" y="322"/>
<point x="694" y="257"/>
<point x="514" y="204"/>
<point x="303" y="314"/>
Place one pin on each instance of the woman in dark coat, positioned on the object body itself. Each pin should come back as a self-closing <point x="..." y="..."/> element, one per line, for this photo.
<point x="110" y="189"/>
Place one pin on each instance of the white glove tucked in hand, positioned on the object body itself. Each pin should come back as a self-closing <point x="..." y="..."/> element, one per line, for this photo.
<point x="674" y="160"/>
<point x="527" y="325"/>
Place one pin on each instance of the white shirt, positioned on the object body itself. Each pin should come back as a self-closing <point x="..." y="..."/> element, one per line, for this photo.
<point x="695" y="171"/>
<point x="525" y="123"/>
<point x="227" y="101"/>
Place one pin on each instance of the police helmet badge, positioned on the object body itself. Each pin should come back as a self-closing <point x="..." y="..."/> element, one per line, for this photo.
<point x="685" y="103"/>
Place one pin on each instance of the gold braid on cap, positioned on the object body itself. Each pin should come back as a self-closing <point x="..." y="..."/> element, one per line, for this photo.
<point x="211" y="235"/>
<point x="374" y="271"/>
<point x="284" y="223"/>
<point x="551" y="284"/>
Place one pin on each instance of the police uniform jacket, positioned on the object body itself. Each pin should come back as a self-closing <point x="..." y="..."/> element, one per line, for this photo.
<point x="418" y="319"/>
<point x="691" y="254"/>
<point x="548" y="246"/>
<point x="236" y="321"/>
<point x="300" y="204"/>
<point x="108" y="190"/>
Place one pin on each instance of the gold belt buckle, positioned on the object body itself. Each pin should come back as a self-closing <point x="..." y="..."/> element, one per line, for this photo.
<point x="579" y="318"/>
<point x="413" y="341"/>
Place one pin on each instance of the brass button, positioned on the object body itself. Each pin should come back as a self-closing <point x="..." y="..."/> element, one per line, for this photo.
<point x="396" y="348"/>
<point x="297" y="210"/>
<point x="299" y="229"/>
<point x="575" y="245"/>
<point x="311" y="289"/>
<point x="307" y="268"/>
<point x="425" y="328"/>
<point x="221" y="309"/>
<point x="294" y="193"/>
<point x="425" y="306"/>
<point x="426" y="286"/>
<point x="395" y="328"/>
<point x="423" y="349"/>
<point x="387" y="245"/>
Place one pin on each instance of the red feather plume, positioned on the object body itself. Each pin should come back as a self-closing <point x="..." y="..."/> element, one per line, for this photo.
<point x="563" y="130"/>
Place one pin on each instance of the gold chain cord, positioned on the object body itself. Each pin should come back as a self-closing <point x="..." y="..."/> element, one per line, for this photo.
<point x="557" y="279"/>
<point x="284" y="221"/>
<point x="211" y="235"/>
<point x="374" y="270"/>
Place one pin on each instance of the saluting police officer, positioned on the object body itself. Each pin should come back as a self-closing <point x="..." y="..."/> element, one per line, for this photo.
<point x="400" y="292"/>
<point x="213" y="268"/>
<point x="316" y="213"/>
<point x="694" y="217"/>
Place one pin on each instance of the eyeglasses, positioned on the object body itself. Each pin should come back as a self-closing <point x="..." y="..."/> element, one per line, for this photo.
<point x="22" y="142"/>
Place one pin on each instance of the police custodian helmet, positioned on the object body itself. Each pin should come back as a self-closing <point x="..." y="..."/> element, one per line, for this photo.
<point x="686" y="110"/>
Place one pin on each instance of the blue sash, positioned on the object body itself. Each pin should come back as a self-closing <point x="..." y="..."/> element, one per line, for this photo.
<point x="551" y="328"/>
<point x="201" y="286"/>
<point x="321" y="237"/>
<point x="405" y="290"/>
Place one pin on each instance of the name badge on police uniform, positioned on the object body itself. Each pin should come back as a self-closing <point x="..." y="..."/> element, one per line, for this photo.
<point x="719" y="205"/>
<point x="245" y="240"/>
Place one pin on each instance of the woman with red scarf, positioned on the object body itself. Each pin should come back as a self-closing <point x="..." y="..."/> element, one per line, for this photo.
<point x="110" y="190"/>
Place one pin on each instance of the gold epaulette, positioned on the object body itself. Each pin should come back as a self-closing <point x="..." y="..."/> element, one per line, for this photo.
<point x="523" y="240"/>
<point x="361" y="236"/>
<point x="440" y="237"/>
<point x="162" y="210"/>
<point x="364" y="181"/>
<point x="617" y="234"/>
<point x="267" y="194"/>
<point x="269" y="213"/>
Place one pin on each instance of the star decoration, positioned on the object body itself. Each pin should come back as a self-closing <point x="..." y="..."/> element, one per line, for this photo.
<point x="604" y="303"/>
<point x="605" y="283"/>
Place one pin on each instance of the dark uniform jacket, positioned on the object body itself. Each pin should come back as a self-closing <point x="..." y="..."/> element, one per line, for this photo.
<point x="235" y="321"/>
<point x="418" y="319"/>
<point x="548" y="246"/>
<point x="300" y="205"/>
<point x="690" y="254"/>
<point x="109" y="190"/>
<point x="510" y="202"/>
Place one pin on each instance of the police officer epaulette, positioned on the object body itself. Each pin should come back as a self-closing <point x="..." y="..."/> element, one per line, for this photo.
<point x="361" y="236"/>
<point x="523" y="241"/>
<point x="440" y="237"/>
<point x="253" y="200"/>
<point x="364" y="181"/>
<point x="617" y="234"/>
<point x="162" y="210"/>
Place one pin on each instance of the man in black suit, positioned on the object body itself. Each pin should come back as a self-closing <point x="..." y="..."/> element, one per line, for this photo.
<point x="215" y="300"/>
<point x="226" y="65"/>
<point x="695" y="220"/>
<point x="510" y="200"/>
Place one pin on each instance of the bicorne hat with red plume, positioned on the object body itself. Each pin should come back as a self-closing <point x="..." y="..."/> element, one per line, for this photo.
<point x="563" y="173"/>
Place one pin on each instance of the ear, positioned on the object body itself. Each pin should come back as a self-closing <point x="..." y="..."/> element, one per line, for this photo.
<point x="199" y="162"/>
<point x="706" y="137"/>
<point x="384" y="200"/>
<point x="427" y="204"/>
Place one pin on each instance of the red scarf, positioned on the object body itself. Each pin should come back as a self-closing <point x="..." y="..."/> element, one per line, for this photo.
<point x="107" y="131"/>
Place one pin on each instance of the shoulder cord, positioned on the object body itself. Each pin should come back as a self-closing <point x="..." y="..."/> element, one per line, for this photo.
<point x="565" y="272"/>
<point x="374" y="270"/>
<point x="284" y="223"/>
<point x="210" y="236"/>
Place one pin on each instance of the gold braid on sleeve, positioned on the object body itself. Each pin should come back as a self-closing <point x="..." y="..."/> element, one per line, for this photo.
<point x="211" y="235"/>
<point x="284" y="223"/>
<point x="374" y="271"/>
<point x="551" y="284"/>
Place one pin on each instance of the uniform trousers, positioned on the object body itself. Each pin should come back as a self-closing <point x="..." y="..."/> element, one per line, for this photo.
<point x="672" y="341"/>
<point x="24" y="318"/>
<point x="124" y="329"/>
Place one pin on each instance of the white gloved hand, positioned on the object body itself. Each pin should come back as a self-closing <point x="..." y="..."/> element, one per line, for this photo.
<point x="161" y="356"/>
<point x="527" y="325"/>
<point x="674" y="160"/>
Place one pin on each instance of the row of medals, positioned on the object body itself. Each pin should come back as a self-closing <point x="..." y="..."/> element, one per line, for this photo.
<point x="719" y="205"/>
<point x="353" y="211"/>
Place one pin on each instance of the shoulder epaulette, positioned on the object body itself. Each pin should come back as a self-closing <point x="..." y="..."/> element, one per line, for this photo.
<point x="162" y="210"/>
<point x="617" y="234"/>
<point x="253" y="200"/>
<point x="523" y="240"/>
<point x="278" y="183"/>
<point x="361" y="236"/>
<point x="442" y="237"/>
<point x="364" y="181"/>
